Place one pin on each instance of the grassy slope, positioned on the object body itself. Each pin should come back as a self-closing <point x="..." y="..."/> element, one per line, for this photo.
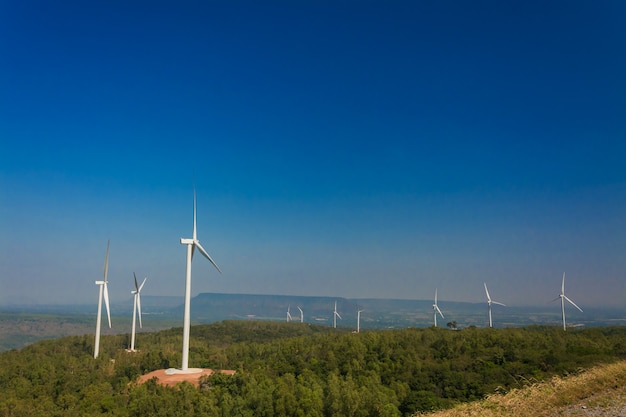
<point x="600" y="388"/>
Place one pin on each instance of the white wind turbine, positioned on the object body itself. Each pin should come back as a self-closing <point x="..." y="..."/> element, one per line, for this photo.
<point x="301" y="315"/>
<point x="289" y="314"/>
<point x="136" y="309"/>
<point x="563" y="297"/>
<point x="335" y="315"/>
<point x="358" y="320"/>
<point x="436" y="309"/>
<point x="103" y="290"/>
<point x="192" y="244"/>
<point x="489" y="302"/>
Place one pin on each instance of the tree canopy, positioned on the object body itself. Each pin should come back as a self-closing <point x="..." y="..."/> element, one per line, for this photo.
<point x="294" y="369"/>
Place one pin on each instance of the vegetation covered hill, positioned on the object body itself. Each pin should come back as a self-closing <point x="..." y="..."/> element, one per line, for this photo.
<point x="295" y="369"/>
<point x="600" y="391"/>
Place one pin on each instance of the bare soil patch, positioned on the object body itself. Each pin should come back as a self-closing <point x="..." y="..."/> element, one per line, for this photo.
<point x="170" y="380"/>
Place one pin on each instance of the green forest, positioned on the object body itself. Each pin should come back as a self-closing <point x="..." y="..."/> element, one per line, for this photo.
<point x="294" y="369"/>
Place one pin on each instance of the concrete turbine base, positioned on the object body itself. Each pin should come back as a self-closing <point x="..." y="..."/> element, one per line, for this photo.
<point x="178" y="371"/>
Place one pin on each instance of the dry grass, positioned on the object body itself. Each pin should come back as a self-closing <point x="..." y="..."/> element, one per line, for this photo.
<point x="600" y="387"/>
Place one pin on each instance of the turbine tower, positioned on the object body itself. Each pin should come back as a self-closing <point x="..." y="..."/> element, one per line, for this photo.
<point x="289" y="314"/>
<point x="489" y="302"/>
<point x="192" y="244"/>
<point x="358" y="320"/>
<point x="103" y="290"/>
<point x="563" y="298"/>
<point x="136" y="309"/>
<point x="335" y="315"/>
<point x="301" y="315"/>
<point x="436" y="309"/>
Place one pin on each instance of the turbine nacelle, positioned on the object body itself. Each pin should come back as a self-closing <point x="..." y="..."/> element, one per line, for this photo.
<point x="335" y="315"/>
<point x="335" y="312"/>
<point x="105" y="293"/>
<point x="195" y="243"/>
<point x="437" y="310"/>
<point x="573" y="303"/>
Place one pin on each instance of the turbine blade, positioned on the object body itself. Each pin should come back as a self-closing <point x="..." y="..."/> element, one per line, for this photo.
<point x="194" y="212"/>
<point x="555" y="299"/>
<point x="206" y="255"/>
<point x="563" y="284"/>
<point x="106" y="262"/>
<point x="338" y="315"/>
<point x="136" y="286"/>
<point x="141" y="286"/>
<point x="439" y="311"/>
<point x="500" y="304"/>
<point x="139" y="308"/>
<point x="435" y="295"/>
<point x="487" y="291"/>
<point x="573" y="303"/>
<point x="106" y="302"/>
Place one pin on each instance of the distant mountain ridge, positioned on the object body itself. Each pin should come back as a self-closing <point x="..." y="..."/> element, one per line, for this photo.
<point x="378" y="313"/>
<point x="384" y="313"/>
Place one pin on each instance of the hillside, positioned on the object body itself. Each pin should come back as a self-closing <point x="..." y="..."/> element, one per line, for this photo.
<point x="296" y="369"/>
<point x="599" y="392"/>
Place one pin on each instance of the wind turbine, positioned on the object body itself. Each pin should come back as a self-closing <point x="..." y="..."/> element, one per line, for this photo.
<point x="436" y="309"/>
<point x="103" y="290"/>
<point x="358" y="320"/>
<point x="136" y="309"/>
<point x="489" y="302"/>
<point x="563" y="297"/>
<point x="289" y="314"/>
<point x="192" y="244"/>
<point x="335" y="315"/>
<point x="301" y="315"/>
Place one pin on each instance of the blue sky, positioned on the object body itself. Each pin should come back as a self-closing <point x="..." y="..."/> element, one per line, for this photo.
<point x="345" y="148"/>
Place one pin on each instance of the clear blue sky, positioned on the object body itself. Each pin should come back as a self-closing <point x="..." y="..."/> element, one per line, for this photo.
<point x="344" y="148"/>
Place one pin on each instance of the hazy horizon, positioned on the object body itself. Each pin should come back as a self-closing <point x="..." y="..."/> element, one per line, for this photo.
<point x="549" y="304"/>
<point x="349" y="149"/>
